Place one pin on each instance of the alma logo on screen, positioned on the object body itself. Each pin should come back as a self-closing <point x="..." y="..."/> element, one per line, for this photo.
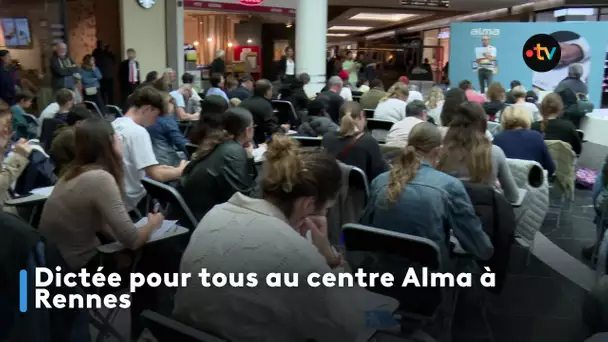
<point x="479" y="32"/>
<point x="542" y="53"/>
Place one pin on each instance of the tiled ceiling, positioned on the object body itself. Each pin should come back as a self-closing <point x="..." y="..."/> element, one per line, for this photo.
<point x="341" y="13"/>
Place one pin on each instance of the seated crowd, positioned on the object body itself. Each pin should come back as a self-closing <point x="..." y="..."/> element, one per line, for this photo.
<point x="271" y="215"/>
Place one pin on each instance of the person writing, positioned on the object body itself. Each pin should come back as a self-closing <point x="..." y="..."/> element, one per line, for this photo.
<point x="267" y="235"/>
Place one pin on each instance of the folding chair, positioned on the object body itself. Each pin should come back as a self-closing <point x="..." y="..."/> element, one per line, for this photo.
<point x="369" y="113"/>
<point x="358" y="179"/>
<point x="47" y="132"/>
<point x="379" y="129"/>
<point x="380" y="250"/>
<point x="165" y="329"/>
<point x="287" y="113"/>
<point x="191" y="149"/>
<point x="170" y="197"/>
<point x="494" y="127"/>
<point x="581" y="135"/>
<point x="185" y="126"/>
<point x="92" y="106"/>
<point x="308" y="141"/>
<point x="114" y="110"/>
<point x="356" y="98"/>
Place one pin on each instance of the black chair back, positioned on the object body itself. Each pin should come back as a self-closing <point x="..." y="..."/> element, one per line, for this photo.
<point x="169" y="197"/>
<point x="417" y="249"/>
<point x="286" y="112"/>
<point x="92" y="106"/>
<point x="379" y="128"/>
<point x="308" y="141"/>
<point x="358" y="179"/>
<point x="369" y="113"/>
<point x="47" y="133"/>
<point x="165" y="329"/>
<point x="114" y="110"/>
<point x="191" y="149"/>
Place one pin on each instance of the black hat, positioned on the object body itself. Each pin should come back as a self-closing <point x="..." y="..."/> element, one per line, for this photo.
<point x="246" y="78"/>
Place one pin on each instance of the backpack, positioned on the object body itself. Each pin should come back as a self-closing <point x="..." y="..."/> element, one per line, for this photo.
<point x="585" y="178"/>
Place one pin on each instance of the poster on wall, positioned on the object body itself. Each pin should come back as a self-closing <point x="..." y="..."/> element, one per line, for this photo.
<point x="9" y="32"/>
<point x="536" y="54"/>
<point x="23" y="32"/>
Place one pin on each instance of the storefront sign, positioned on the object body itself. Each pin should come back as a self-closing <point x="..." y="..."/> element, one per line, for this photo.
<point x="251" y="2"/>
<point x="241" y="6"/>
<point x="426" y="3"/>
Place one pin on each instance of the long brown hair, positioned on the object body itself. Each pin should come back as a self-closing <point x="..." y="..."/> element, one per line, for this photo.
<point x="466" y="143"/>
<point x="552" y="104"/>
<point x="423" y="138"/>
<point x="350" y="114"/>
<point x="94" y="139"/>
<point x="86" y="61"/>
<point x="290" y="173"/>
<point x="233" y="124"/>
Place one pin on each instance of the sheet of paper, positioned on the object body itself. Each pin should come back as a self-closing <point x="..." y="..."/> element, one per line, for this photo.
<point x="165" y="227"/>
<point x="258" y="154"/>
<point x="43" y="191"/>
<point x="292" y="132"/>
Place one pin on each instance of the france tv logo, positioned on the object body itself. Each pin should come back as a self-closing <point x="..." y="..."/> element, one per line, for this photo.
<point x="542" y="53"/>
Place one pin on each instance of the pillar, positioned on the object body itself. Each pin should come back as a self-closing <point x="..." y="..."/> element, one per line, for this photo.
<point x="175" y="38"/>
<point x="311" y="41"/>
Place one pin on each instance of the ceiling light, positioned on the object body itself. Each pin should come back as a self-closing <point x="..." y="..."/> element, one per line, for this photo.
<point x="382" y="16"/>
<point x="337" y="34"/>
<point x="349" y="28"/>
<point x="289" y="25"/>
<point x="196" y="43"/>
<point x="229" y="44"/>
<point x="209" y="39"/>
<point x="249" y="41"/>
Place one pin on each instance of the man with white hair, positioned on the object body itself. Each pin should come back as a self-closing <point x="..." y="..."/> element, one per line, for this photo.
<point x="573" y="80"/>
<point x="218" y="66"/>
<point x="129" y="75"/>
<point x="332" y="96"/>
<point x="63" y="69"/>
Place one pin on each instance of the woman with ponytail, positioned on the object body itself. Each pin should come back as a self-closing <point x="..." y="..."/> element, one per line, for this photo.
<point x="260" y="236"/>
<point x="392" y="106"/>
<point x="553" y="127"/>
<point x="222" y="165"/>
<point x="469" y="155"/>
<point x="416" y="199"/>
<point x="352" y="146"/>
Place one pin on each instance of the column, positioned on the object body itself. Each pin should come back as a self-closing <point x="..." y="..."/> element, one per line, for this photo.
<point x="175" y="38"/>
<point x="311" y="41"/>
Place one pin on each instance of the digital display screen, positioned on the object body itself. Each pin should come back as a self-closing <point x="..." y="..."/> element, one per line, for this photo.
<point x="426" y="3"/>
<point x="16" y="32"/>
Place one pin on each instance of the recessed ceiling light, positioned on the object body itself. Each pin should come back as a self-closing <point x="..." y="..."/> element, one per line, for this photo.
<point x="382" y="16"/>
<point x="349" y="28"/>
<point x="337" y="34"/>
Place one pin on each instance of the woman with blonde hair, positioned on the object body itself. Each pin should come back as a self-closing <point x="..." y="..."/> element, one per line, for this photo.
<point x="434" y="102"/>
<point x="518" y="141"/>
<point x="352" y="145"/>
<point x="469" y="155"/>
<point x="392" y="106"/>
<point x="553" y="127"/>
<point x="413" y="186"/>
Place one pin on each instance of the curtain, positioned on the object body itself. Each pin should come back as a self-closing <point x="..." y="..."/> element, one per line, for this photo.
<point x="218" y="27"/>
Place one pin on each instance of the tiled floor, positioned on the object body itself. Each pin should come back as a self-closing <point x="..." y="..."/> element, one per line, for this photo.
<point x="537" y="304"/>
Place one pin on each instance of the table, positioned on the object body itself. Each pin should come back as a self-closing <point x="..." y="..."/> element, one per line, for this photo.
<point x="36" y="200"/>
<point x="520" y="198"/>
<point x="115" y="247"/>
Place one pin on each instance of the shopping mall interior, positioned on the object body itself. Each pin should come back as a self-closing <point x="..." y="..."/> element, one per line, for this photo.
<point x="550" y="247"/>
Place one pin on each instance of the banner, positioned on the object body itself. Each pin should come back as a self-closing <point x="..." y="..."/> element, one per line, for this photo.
<point x="536" y="54"/>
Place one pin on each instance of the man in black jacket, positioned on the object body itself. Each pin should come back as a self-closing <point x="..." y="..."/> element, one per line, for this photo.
<point x="336" y="101"/>
<point x="129" y="75"/>
<point x="263" y="114"/>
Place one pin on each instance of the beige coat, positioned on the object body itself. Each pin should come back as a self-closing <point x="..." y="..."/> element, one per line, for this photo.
<point x="12" y="167"/>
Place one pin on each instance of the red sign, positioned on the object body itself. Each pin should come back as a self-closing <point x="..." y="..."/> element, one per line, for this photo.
<point x="251" y="2"/>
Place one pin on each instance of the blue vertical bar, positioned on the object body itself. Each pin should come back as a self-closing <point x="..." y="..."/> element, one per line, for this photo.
<point x="23" y="290"/>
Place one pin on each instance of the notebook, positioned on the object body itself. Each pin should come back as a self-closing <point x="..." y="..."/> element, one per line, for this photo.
<point x="166" y="227"/>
